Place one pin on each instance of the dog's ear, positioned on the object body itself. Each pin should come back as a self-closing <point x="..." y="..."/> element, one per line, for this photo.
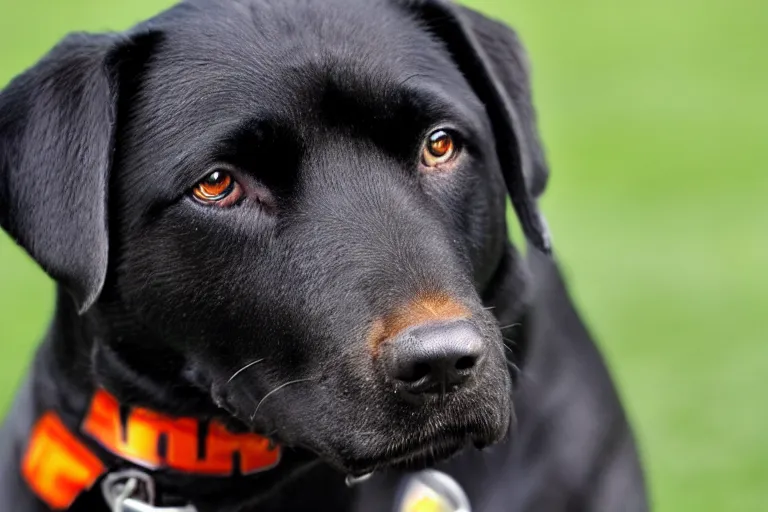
<point x="494" y="63"/>
<point x="57" y="123"/>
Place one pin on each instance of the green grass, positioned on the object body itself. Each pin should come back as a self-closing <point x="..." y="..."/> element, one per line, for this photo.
<point x="655" y="116"/>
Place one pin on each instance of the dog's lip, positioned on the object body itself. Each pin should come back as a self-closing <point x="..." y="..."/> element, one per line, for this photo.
<point x="423" y="454"/>
<point x="429" y="448"/>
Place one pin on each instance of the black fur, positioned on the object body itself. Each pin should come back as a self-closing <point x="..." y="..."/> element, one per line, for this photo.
<point x="321" y="108"/>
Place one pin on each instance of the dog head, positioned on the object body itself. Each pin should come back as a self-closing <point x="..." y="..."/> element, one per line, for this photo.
<point x="291" y="209"/>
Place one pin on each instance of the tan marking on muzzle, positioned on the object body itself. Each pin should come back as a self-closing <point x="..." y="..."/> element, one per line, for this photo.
<point x="425" y="308"/>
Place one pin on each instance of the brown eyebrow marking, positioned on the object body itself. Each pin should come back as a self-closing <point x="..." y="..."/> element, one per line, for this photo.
<point x="424" y="308"/>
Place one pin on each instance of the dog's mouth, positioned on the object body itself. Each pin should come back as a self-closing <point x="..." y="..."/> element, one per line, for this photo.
<point x="424" y="446"/>
<point x="417" y="452"/>
<point x="413" y="457"/>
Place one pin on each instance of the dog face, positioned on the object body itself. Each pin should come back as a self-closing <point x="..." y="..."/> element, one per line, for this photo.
<point x="298" y="204"/>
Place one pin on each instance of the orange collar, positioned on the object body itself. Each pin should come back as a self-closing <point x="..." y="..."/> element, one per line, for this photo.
<point x="58" y="466"/>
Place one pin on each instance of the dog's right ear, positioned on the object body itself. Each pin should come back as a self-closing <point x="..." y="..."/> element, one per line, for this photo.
<point x="494" y="63"/>
<point x="57" y="124"/>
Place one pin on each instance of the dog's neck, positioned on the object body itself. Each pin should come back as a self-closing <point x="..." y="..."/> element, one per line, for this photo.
<point x="69" y="377"/>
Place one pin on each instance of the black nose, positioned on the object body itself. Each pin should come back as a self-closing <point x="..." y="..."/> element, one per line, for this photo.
<point x="434" y="358"/>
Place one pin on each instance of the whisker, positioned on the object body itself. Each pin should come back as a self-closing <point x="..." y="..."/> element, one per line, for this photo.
<point x="506" y="347"/>
<point x="512" y="353"/>
<point x="241" y="370"/>
<point x="278" y="388"/>
<point x="510" y="326"/>
<point x="511" y="342"/>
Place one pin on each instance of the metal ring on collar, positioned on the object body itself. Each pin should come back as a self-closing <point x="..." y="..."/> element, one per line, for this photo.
<point x="132" y="490"/>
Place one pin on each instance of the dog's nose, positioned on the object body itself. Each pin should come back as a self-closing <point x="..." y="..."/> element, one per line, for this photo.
<point x="434" y="358"/>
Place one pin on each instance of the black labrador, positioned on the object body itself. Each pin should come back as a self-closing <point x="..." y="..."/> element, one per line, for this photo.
<point x="278" y="230"/>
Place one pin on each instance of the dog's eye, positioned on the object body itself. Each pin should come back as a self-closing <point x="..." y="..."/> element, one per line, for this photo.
<point x="219" y="188"/>
<point x="440" y="148"/>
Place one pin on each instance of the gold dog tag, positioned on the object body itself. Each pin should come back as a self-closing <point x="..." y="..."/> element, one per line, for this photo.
<point x="433" y="491"/>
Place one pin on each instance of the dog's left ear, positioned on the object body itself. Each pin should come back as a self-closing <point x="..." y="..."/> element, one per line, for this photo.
<point x="56" y="139"/>
<point x="493" y="61"/>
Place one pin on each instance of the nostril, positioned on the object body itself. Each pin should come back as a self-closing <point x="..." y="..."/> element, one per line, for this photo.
<point x="466" y="363"/>
<point x="417" y="372"/>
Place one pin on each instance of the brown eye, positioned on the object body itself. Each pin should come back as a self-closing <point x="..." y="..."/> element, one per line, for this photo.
<point x="218" y="188"/>
<point x="440" y="148"/>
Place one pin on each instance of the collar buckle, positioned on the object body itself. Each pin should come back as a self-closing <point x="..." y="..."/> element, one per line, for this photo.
<point x="134" y="491"/>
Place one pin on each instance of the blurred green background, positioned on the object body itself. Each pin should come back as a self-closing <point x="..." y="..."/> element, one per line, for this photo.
<point x="655" y="116"/>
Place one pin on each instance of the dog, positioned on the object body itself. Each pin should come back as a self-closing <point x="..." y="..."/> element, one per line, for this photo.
<point x="284" y="276"/>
